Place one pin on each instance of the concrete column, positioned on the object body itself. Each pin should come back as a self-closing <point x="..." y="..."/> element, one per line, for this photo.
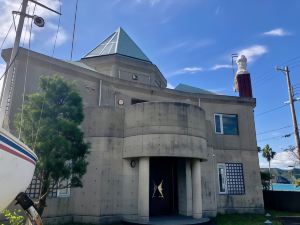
<point x="144" y="173"/>
<point x="196" y="186"/>
<point x="189" y="188"/>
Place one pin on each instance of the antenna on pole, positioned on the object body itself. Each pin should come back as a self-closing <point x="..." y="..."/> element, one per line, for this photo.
<point x="233" y="56"/>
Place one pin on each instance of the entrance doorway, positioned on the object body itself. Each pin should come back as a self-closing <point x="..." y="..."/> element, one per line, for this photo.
<point x="163" y="194"/>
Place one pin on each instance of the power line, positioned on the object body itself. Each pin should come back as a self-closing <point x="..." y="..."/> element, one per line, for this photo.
<point x="57" y="30"/>
<point x="74" y="29"/>
<point x="276" y="137"/>
<point x="290" y="60"/>
<point x="44" y="98"/>
<point x="269" y="131"/>
<point x="293" y="63"/>
<point x="26" y="68"/>
<point x="271" y="110"/>
<point x="8" y="67"/>
<point x="9" y="29"/>
<point x="268" y="74"/>
<point x="294" y="66"/>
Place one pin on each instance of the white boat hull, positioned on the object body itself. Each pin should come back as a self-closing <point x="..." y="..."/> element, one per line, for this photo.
<point x="17" y="165"/>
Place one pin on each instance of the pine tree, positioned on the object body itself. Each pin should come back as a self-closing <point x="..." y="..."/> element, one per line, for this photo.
<point x="49" y="124"/>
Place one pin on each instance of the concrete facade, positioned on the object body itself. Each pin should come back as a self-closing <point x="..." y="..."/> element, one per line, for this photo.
<point x="124" y="136"/>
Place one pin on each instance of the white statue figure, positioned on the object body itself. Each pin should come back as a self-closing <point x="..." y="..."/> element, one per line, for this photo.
<point x="241" y="62"/>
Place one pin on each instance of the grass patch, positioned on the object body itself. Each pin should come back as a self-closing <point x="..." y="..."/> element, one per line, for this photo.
<point x="251" y="219"/>
<point x="281" y="213"/>
<point x="246" y="219"/>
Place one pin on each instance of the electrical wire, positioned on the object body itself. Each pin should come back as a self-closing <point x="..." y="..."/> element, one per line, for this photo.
<point x="295" y="66"/>
<point x="291" y="60"/>
<point x="26" y="72"/>
<point x="57" y="30"/>
<point x="44" y="98"/>
<point x="268" y="75"/>
<point x="3" y="42"/>
<point x="276" y="137"/>
<point x="74" y="29"/>
<point x="26" y="26"/>
<point x="8" y="67"/>
<point x="9" y="29"/>
<point x="271" y="110"/>
<point x="293" y="63"/>
<point x="269" y="131"/>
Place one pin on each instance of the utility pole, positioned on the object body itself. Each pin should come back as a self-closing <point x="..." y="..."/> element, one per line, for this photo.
<point x="8" y="85"/>
<point x="291" y="101"/>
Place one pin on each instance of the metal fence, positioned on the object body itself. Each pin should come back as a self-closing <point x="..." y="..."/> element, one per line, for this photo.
<point x="282" y="200"/>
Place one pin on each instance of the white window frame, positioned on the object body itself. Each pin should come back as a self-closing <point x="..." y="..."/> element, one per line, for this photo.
<point x="221" y="121"/>
<point x="222" y="165"/>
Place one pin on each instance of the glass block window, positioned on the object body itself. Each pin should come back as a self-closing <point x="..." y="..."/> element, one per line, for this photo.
<point x="231" y="178"/>
<point x="226" y="124"/>
<point x="235" y="179"/>
<point x="34" y="189"/>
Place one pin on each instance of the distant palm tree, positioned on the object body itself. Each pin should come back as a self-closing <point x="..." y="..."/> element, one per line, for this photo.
<point x="268" y="154"/>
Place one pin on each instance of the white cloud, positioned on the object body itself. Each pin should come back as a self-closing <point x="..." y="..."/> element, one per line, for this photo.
<point x="219" y="91"/>
<point x="221" y="66"/>
<point x="281" y="160"/>
<point x="151" y="2"/>
<point x="190" y="70"/>
<point x="188" y="46"/>
<point x="170" y="86"/>
<point x="62" y="36"/>
<point x="175" y="47"/>
<point x="6" y="18"/>
<point x="284" y="159"/>
<point x="6" y="7"/>
<point x="279" y="32"/>
<point x="253" y="52"/>
<point x="166" y="20"/>
<point x="218" y="10"/>
<point x="2" y="70"/>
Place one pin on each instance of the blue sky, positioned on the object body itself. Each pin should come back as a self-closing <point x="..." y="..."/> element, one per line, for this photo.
<point x="191" y="41"/>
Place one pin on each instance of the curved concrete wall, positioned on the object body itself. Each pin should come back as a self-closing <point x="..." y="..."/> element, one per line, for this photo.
<point x="165" y="129"/>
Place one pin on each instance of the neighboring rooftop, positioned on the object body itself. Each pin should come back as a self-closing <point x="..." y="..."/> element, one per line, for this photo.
<point x="118" y="42"/>
<point x="191" y="89"/>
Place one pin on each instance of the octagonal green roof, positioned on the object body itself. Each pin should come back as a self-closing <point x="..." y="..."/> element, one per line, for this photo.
<point x="118" y="42"/>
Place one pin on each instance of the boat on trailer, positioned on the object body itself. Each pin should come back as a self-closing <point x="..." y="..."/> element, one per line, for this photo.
<point x="17" y="164"/>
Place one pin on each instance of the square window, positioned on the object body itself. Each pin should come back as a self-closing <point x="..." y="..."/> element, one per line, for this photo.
<point x="226" y="124"/>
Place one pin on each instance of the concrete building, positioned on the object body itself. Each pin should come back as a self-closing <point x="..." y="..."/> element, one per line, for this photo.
<point x="155" y="151"/>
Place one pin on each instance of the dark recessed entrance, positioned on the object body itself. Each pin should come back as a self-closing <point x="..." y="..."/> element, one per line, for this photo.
<point x="163" y="194"/>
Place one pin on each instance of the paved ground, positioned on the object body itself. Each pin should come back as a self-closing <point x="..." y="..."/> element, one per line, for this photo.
<point x="289" y="220"/>
<point x="171" y="220"/>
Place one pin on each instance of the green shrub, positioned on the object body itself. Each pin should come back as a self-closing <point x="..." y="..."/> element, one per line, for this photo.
<point x="14" y="217"/>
